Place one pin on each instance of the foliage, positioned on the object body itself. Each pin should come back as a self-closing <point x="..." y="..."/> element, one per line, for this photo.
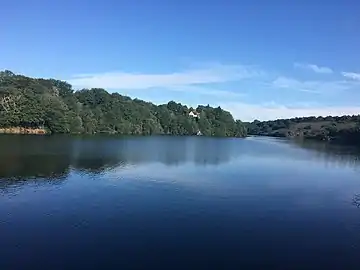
<point x="55" y="106"/>
<point x="344" y="129"/>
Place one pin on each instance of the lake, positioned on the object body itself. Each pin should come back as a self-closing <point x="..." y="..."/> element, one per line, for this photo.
<point x="177" y="203"/>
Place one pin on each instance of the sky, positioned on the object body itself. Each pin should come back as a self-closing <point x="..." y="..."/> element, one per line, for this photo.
<point x="258" y="59"/>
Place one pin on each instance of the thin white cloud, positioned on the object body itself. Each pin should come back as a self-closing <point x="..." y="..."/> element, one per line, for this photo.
<point x="324" y="87"/>
<point x="250" y="112"/>
<point x="289" y="83"/>
<point x="314" y="68"/>
<point x="122" y="80"/>
<point x="202" y="90"/>
<point x="351" y="75"/>
<point x="198" y="80"/>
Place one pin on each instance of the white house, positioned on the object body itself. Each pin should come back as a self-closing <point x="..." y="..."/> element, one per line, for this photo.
<point x="194" y="114"/>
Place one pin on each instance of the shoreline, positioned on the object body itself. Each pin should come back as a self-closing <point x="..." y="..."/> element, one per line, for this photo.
<point x="43" y="131"/>
<point x="21" y="130"/>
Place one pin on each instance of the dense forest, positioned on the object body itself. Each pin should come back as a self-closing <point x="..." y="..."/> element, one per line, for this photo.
<point x="341" y="129"/>
<point x="53" y="106"/>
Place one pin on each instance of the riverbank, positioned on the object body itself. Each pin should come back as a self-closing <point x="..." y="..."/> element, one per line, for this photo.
<point x="22" y="130"/>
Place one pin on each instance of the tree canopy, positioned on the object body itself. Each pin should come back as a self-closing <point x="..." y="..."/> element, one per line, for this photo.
<point x="55" y="106"/>
<point x="344" y="129"/>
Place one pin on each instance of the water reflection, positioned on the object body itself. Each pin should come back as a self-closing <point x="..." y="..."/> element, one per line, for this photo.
<point x="23" y="158"/>
<point x="100" y="153"/>
<point x="332" y="155"/>
<point x="177" y="196"/>
<point x="52" y="158"/>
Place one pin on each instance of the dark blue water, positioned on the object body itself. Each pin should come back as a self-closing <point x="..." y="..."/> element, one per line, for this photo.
<point x="177" y="203"/>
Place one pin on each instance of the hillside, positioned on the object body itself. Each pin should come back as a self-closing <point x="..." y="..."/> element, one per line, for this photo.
<point x="31" y="105"/>
<point x="341" y="129"/>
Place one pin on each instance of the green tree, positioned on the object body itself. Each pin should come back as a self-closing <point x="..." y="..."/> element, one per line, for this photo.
<point x="54" y="105"/>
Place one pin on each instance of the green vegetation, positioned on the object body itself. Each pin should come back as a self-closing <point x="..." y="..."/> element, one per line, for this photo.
<point x="53" y="106"/>
<point x="341" y="129"/>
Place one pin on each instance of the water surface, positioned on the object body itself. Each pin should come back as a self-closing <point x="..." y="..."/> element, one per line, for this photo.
<point x="177" y="203"/>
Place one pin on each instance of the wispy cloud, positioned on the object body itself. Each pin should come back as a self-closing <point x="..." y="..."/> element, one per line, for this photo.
<point x="216" y="80"/>
<point x="324" y="87"/>
<point x="250" y="112"/>
<point x="289" y="83"/>
<point x="351" y="75"/>
<point x="202" y="90"/>
<point x="314" y="68"/>
<point x="123" y="80"/>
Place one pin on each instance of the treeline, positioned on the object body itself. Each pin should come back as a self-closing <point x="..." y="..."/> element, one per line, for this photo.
<point x="342" y="129"/>
<point x="54" y="106"/>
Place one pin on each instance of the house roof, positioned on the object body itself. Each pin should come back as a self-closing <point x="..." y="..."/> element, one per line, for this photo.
<point x="194" y="112"/>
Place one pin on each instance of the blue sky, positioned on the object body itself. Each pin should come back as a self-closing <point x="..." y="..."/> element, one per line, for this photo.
<point x="272" y="59"/>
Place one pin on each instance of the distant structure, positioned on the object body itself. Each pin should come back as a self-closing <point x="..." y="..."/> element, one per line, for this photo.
<point x="199" y="133"/>
<point x="194" y="114"/>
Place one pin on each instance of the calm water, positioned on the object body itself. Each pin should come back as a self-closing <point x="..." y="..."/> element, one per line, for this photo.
<point x="177" y="203"/>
